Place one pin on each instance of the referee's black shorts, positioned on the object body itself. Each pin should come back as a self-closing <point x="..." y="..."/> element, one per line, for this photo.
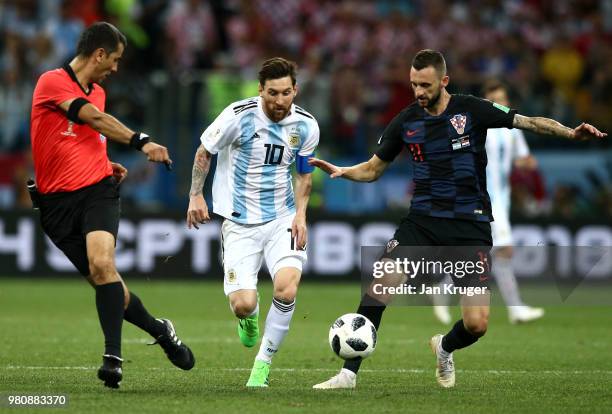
<point x="445" y="239"/>
<point x="67" y="217"/>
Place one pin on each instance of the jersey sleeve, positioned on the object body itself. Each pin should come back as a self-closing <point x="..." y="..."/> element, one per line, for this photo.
<point x="307" y="150"/>
<point x="491" y="115"/>
<point x="222" y="132"/>
<point x="520" y="147"/>
<point x="53" y="89"/>
<point x="310" y="144"/>
<point x="390" y="143"/>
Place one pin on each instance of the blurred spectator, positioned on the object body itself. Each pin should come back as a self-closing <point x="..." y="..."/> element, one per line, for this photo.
<point x="354" y="58"/>
<point x="13" y="176"/>
<point x="568" y="202"/>
<point x="347" y="100"/>
<point x="243" y="53"/>
<point x="563" y="66"/>
<point x="88" y="11"/>
<point x="528" y="191"/>
<point x="400" y="90"/>
<point x="192" y="35"/>
<point x="125" y="15"/>
<point x="64" y="32"/>
<point x="15" y="98"/>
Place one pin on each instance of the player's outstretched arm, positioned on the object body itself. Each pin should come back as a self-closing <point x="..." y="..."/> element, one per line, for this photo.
<point x="111" y="127"/>
<point x="197" y="213"/>
<point x="367" y="171"/>
<point x="551" y="127"/>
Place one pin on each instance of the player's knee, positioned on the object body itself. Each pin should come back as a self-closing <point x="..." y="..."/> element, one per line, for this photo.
<point x="126" y="297"/>
<point x="286" y="293"/>
<point x="102" y="269"/>
<point x="477" y="327"/>
<point x="243" y="308"/>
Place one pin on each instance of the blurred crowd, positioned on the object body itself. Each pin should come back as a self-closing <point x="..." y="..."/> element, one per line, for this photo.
<point x="354" y="58"/>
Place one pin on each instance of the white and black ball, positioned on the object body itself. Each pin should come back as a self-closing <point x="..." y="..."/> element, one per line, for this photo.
<point x="352" y="336"/>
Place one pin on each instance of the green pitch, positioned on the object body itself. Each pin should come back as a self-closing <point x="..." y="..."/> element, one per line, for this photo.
<point x="51" y="344"/>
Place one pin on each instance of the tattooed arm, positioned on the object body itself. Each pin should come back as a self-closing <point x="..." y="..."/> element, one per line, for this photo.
<point x="548" y="126"/>
<point x="198" y="210"/>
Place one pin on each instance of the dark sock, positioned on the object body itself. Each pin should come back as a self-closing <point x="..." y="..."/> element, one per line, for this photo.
<point x="136" y="314"/>
<point x="109" y="302"/>
<point x="458" y="337"/>
<point x="372" y="309"/>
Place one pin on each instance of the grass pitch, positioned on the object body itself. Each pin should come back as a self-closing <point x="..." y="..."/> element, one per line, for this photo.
<point x="51" y="344"/>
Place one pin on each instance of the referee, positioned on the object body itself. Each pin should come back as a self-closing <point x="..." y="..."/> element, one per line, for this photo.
<point x="445" y="137"/>
<point x="78" y="192"/>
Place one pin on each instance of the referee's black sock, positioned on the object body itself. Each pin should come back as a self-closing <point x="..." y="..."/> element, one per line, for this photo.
<point x="372" y="309"/>
<point x="109" y="302"/>
<point x="458" y="337"/>
<point x="136" y="314"/>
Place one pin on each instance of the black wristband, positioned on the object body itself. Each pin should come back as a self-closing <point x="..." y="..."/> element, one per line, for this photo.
<point x="139" y="139"/>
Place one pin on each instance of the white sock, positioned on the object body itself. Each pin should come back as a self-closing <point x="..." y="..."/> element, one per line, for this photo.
<point x="443" y="299"/>
<point x="255" y="311"/>
<point x="277" y="326"/>
<point x="504" y="276"/>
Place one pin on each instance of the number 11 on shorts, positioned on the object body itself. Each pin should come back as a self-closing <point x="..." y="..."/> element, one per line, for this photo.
<point x="292" y="240"/>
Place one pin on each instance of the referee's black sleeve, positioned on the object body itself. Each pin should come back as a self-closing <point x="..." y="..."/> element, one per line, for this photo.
<point x="491" y="115"/>
<point x="390" y="143"/>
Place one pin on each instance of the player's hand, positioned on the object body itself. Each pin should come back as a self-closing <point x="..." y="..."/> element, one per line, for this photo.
<point x="333" y="170"/>
<point x="197" y="213"/>
<point x="587" y="131"/>
<point x="119" y="172"/>
<point x="299" y="232"/>
<point x="157" y="153"/>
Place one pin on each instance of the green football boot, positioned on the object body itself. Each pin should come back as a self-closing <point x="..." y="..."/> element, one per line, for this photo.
<point x="259" y="374"/>
<point x="248" y="330"/>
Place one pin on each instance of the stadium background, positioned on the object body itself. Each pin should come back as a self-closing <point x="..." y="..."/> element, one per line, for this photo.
<point x="186" y="60"/>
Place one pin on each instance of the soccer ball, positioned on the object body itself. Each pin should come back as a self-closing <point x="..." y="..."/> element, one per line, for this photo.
<point x="352" y="336"/>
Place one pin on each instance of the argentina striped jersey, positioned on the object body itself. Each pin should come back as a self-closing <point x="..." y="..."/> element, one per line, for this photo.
<point x="252" y="182"/>
<point x="503" y="147"/>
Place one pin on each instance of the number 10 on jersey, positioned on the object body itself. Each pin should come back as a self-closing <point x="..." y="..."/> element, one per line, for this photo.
<point x="274" y="154"/>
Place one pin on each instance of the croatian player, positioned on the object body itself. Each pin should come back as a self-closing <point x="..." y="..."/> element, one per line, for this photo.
<point x="257" y="140"/>
<point x="505" y="148"/>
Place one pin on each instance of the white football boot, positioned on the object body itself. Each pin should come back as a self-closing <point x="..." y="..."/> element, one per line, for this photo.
<point x="523" y="314"/>
<point x="445" y="368"/>
<point x="345" y="379"/>
<point x="442" y="313"/>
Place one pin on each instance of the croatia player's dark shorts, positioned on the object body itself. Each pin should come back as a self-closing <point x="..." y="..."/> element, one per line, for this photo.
<point x="67" y="217"/>
<point x="445" y="240"/>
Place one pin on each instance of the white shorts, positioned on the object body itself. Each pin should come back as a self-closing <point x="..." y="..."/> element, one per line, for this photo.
<point x="246" y="245"/>
<point x="500" y="228"/>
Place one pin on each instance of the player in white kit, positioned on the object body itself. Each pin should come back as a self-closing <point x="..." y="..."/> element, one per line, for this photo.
<point x="256" y="141"/>
<point x="505" y="148"/>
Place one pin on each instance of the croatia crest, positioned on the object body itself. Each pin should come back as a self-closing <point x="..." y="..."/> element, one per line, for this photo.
<point x="458" y="122"/>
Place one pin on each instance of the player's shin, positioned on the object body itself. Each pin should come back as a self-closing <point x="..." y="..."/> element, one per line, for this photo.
<point x="137" y="314"/>
<point x="276" y="328"/>
<point x="109" y="302"/>
<point x="372" y="309"/>
<point x="467" y="330"/>
<point x="458" y="337"/>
